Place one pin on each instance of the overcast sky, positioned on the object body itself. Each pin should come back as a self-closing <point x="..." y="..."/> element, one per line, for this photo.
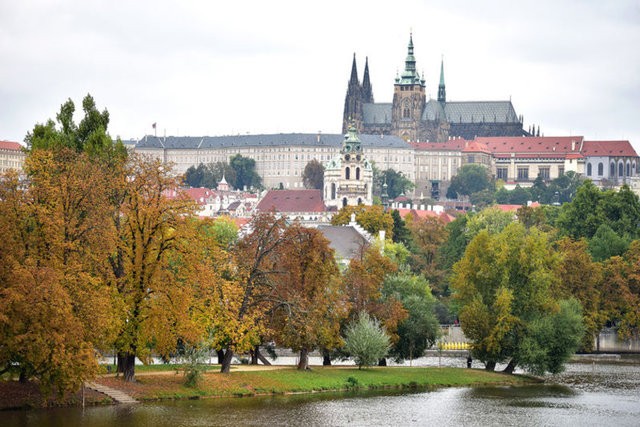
<point x="235" y="67"/>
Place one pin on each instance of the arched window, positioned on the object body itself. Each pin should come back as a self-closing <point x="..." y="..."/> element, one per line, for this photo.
<point x="359" y="201"/>
<point x="612" y="170"/>
<point x="344" y="202"/>
<point x="357" y="173"/>
<point x="347" y="173"/>
<point x="406" y="112"/>
<point x="600" y="169"/>
<point x="588" y="169"/>
<point x="333" y="191"/>
<point x="620" y="169"/>
<point x="628" y="168"/>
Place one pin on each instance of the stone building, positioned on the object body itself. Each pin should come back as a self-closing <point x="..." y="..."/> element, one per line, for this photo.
<point x="280" y="158"/>
<point x="415" y="118"/>
<point x="348" y="176"/>
<point x="11" y="156"/>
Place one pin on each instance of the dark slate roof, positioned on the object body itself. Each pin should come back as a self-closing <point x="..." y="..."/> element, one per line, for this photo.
<point x="292" y="201"/>
<point x="479" y="111"/>
<point x="377" y="113"/>
<point x="344" y="240"/>
<point x="274" y="140"/>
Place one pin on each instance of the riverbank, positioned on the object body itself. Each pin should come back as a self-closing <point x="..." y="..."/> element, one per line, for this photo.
<point x="279" y="380"/>
<point x="245" y="382"/>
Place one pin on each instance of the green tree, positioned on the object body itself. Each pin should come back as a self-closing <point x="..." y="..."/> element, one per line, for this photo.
<point x="313" y="175"/>
<point x="401" y="233"/>
<point x="503" y="284"/>
<point x="397" y="183"/>
<point x="606" y="243"/>
<point x="553" y="339"/>
<point x="428" y="234"/>
<point x="470" y="179"/>
<point x="366" y="341"/>
<point x="420" y="329"/>
<point x="491" y="219"/>
<point x="246" y="175"/>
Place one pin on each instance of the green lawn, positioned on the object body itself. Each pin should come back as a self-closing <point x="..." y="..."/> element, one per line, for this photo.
<point x="289" y="380"/>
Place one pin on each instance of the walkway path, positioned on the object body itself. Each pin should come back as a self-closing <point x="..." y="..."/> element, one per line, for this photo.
<point x="117" y="395"/>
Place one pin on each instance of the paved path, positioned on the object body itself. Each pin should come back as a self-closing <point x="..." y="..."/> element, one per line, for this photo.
<point x="117" y="395"/>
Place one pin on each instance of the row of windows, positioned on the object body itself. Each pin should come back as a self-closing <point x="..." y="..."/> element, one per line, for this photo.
<point x="623" y="170"/>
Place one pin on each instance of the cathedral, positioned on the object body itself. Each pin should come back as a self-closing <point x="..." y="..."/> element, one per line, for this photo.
<point x="414" y="118"/>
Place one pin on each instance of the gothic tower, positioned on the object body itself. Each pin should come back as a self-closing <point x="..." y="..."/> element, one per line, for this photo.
<point x="367" y="90"/>
<point x="353" y="100"/>
<point x="409" y="99"/>
<point x="442" y="93"/>
<point x="348" y="177"/>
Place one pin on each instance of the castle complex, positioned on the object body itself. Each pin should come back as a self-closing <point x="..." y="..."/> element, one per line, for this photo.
<point x="414" y="118"/>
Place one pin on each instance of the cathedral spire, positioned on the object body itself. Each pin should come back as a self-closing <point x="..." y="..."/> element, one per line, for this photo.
<point x="367" y="90"/>
<point x="354" y="72"/>
<point x="442" y="93"/>
<point x="409" y="76"/>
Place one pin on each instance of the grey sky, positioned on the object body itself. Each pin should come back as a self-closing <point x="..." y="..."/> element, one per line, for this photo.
<point x="210" y="68"/>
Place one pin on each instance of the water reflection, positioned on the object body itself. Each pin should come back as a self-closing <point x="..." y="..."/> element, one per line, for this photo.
<point x="585" y="395"/>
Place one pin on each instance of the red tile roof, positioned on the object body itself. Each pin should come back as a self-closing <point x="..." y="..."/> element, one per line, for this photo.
<point x="538" y="146"/>
<point x="476" y="147"/>
<point x="200" y="195"/>
<point x="608" y="148"/>
<point x="292" y="201"/>
<point x="10" y="145"/>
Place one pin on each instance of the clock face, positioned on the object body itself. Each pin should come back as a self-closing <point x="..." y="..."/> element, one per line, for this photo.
<point x="358" y="157"/>
<point x="347" y="157"/>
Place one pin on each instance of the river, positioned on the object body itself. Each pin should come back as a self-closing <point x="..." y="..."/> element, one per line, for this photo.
<point x="598" y="394"/>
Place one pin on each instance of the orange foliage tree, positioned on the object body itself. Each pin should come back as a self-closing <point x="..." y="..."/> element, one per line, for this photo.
<point x="308" y="298"/>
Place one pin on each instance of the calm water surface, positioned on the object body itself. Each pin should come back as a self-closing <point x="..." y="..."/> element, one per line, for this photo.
<point x="585" y="395"/>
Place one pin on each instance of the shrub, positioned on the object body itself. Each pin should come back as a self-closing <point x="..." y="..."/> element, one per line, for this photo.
<point x="366" y="341"/>
<point x="194" y="365"/>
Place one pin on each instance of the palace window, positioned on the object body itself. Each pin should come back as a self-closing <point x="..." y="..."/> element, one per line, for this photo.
<point x="544" y="173"/>
<point x="588" y="169"/>
<point x="600" y="169"/>
<point x="502" y="173"/>
<point x="523" y="174"/>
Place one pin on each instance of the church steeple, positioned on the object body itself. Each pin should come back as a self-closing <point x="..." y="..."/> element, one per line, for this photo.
<point x="367" y="90"/>
<point x="442" y="93"/>
<point x="354" y="73"/>
<point x="409" y="76"/>
<point x="353" y="100"/>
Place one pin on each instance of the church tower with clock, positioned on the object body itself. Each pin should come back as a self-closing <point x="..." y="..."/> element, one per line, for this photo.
<point x="348" y="177"/>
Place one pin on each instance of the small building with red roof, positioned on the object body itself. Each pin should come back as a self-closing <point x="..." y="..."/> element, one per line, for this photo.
<point x="305" y="206"/>
<point x="12" y="156"/>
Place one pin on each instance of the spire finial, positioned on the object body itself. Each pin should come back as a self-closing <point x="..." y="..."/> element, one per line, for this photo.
<point x="442" y="93"/>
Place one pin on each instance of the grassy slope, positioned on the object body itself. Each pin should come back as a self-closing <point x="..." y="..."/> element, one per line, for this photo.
<point x="170" y="385"/>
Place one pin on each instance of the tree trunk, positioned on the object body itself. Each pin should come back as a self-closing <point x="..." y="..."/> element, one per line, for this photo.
<point x="326" y="358"/>
<point x="261" y="357"/>
<point x="127" y="362"/>
<point x="382" y="362"/>
<point x="226" y="361"/>
<point x="23" y="377"/>
<point x="303" y="364"/>
<point x="511" y="366"/>
<point x="220" y="354"/>
<point x="490" y="366"/>
<point x="254" y="355"/>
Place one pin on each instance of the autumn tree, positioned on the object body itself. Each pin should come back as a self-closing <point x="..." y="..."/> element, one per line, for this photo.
<point x="364" y="281"/>
<point x="427" y="236"/>
<point x="146" y="264"/>
<point x="56" y="293"/>
<point x="308" y="299"/>
<point x="371" y="218"/>
<point x="256" y="260"/>
<point x="503" y="286"/>
<point x="313" y="175"/>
